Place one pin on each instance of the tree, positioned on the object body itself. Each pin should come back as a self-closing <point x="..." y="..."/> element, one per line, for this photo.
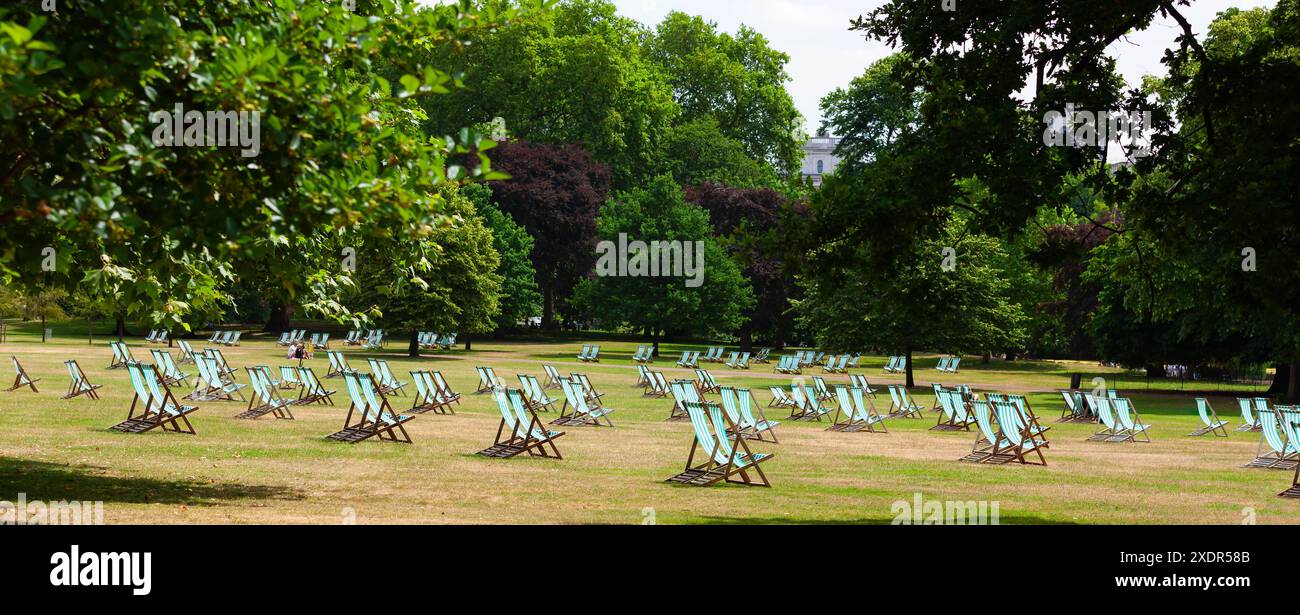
<point x="576" y="76"/>
<point x="698" y="151"/>
<point x="519" y="298"/>
<point x="86" y="169"/>
<point x="759" y="229"/>
<point x="445" y="282"/>
<point x="873" y="112"/>
<point x="555" y="192"/>
<point x="629" y="294"/>
<point x="736" y="81"/>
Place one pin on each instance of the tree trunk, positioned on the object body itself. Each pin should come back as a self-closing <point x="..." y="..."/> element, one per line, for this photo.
<point x="911" y="382"/>
<point x="119" y="327"/>
<point x="279" y="319"/>
<point x="986" y="358"/>
<point x="413" y="349"/>
<point x="548" y="307"/>
<point x="654" y="343"/>
<point x="1283" y="382"/>
<point x="469" y="341"/>
<point x="90" y="331"/>
<point x="747" y="338"/>
<point x="1293" y="387"/>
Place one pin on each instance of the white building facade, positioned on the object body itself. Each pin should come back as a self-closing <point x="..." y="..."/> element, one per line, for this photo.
<point x="819" y="157"/>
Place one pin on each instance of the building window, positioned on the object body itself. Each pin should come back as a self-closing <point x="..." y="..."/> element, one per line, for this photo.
<point x="821" y="167"/>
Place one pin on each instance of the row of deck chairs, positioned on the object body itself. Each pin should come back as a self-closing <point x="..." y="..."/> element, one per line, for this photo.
<point x="1279" y="443"/>
<point x="590" y="353"/>
<point x="430" y="340"/>
<point x="225" y="338"/>
<point x="289" y="338"/>
<point x="690" y="359"/>
<point x="644" y="354"/>
<point x="372" y="339"/>
<point x="723" y="454"/>
<point x="788" y="364"/>
<point x="841" y="364"/>
<point x="738" y="360"/>
<point x="896" y="365"/>
<point x="157" y="336"/>
<point x="949" y="365"/>
<point x="1119" y="419"/>
<point x="744" y="417"/>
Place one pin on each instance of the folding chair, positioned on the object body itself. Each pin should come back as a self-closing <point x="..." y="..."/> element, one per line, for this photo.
<point x="265" y="398"/>
<point x="743" y="421"/>
<point x="187" y="352"/>
<point x="855" y="412"/>
<point x="212" y="384"/>
<point x="552" y="377"/>
<point x="157" y="407"/>
<point x="656" y="385"/>
<point x="311" y="390"/>
<point x="21" y="379"/>
<point x="167" y="368"/>
<point x="1210" y="420"/>
<point x="534" y="396"/>
<point x="586" y="352"/>
<point x="78" y="384"/>
<point x="580" y="411"/>
<point x="428" y="397"/>
<point x="682" y="391"/>
<point x="1283" y="449"/>
<point x="290" y="378"/>
<point x="1249" y="422"/>
<point x="1110" y="430"/>
<point x="780" y="399"/>
<point x="809" y="407"/>
<point x="487" y="380"/>
<point x="370" y="415"/>
<point x="1130" y="424"/>
<point x="520" y="431"/>
<point x="705" y="381"/>
<point x="723" y="456"/>
<point x="338" y="364"/>
<point x="1018" y="438"/>
<point x="902" y="404"/>
<point x="388" y="383"/>
<point x="121" y="355"/>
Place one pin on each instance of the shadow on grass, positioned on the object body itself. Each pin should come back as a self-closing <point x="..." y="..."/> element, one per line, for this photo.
<point x="1002" y="520"/>
<point x="55" y="482"/>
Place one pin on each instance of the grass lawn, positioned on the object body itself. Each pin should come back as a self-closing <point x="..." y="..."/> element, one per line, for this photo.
<point x="270" y="471"/>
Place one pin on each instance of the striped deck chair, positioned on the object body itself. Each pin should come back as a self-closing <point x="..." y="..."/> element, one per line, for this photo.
<point x="723" y="456"/>
<point x="642" y="376"/>
<point x="579" y="410"/>
<point x="739" y="407"/>
<point x="78" y="384"/>
<point x="1294" y="491"/>
<point x="338" y="364"/>
<point x="370" y="415"/>
<point x="487" y="380"/>
<point x="1278" y="447"/>
<point x="942" y="365"/>
<point x="705" y="381"/>
<point x="682" y="391"/>
<point x="1249" y="422"/>
<point x="948" y="420"/>
<point x="892" y="366"/>
<point x="161" y="338"/>
<point x="552" y="377"/>
<point x="311" y="390"/>
<point x="167" y="368"/>
<point x="265" y="398"/>
<point x="780" y="399"/>
<point x="855" y="412"/>
<point x="121" y="355"/>
<point x="586" y="352"/>
<point x="901" y="404"/>
<point x="428" y="396"/>
<point x="187" y="352"/>
<point x="1130" y="424"/>
<point x="1074" y="411"/>
<point x="520" y="431"/>
<point x="1110" y="430"/>
<point x="212" y="384"/>
<point x="21" y="379"/>
<point x="388" y="383"/>
<point x="284" y="339"/>
<point x="733" y="361"/>
<point x="1029" y="420"/>
<point x="1209" y="420"/>
<point x="216" y="335"/>
<point x="988" y="447"/>
<point x="290" y="378"/>
<point x="823" y="392"/>
<point x="589" y="389"/>
<point x="810" y="407"/>
<point x="445" y="389"/>
<point x="860" y="381"/>
<point x="153" y="333"/>
<point x="534" y="395"/>
<point x="222" y="366"/>
<point x="656" y="385"/>
<point x="153" y="406"/>
<point x="1019" y="438"/>
<point x="762" y="355"/>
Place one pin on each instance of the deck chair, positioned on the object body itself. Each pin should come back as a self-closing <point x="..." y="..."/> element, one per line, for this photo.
<point x="315" y="337"/>
<point x="338" y="364"/>
<point x="954" y="365"/>
<point x="942" y="365"/>
<point x="21" y="379"/>
<point x="682" y="362"/>
<point x="284" y="339"/>
<point x="78" y="384"/>
<point x="1110" y="430"/>
<point x="216" y="335"/>
<point x="290" y="378"/>
<point x="704" y="380"/>
<point x="222" y="366"/>
<point x="1209" y="420"/>
<point x="586" y="352"/>
<point x="487" y="380"/>
<point x="823" y="392"/>
<point x="265" y="398"/>
<point x="212" y="384"/>
<point x="311" y="390"/>
<point x="225" y="338"/>
<point x="739" y="407"/>
<point x="552" y="377"/>
<point x="860" y="381"/>
<point x="167" y="368"/>
<point x="1294" y="491"/>
<point x="723" y="456"/>
<point x="370" y="415"/>
<point x="656" y="385"/>
<point x="810" y="407"/>
<point x="1249" y="422"/>
<point x="187" y="352"/>
<point x="951" y="418"/>
<point x="1018" y="438"/>
<point x="762" y="355"/>
<point x="733" y="361"/>
<point x="1029" y="420"/>
<point x="153" y="406"/>
<point x="445" y="389"/>
<point x="384" y="377"/>
<point x="682" y="391"/>
<point x="520" y="431"/>
<point x="153" y="333"/>
<point x="780" y="399"/>
<point x="892" y="365"/>
<point x="579" y="410"/>
<point x="1075" y="410"/>
<point x="1278" y="448"/>
<point x="587" y="388"/>
<point x="987" y="447"/>
<point x="901" y="404"/>
<point x="1261" y="406"/>
<point x="428" y="396"/>
<point x="642" y="376"/>
<point x="534" y="395"/>
<point x="855" y="412"/>
<point x="352" y="338"/>
<point x="121" y="355"/>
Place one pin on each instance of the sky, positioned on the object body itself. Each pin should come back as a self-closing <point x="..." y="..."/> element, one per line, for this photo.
<point x="825" y="55"/>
